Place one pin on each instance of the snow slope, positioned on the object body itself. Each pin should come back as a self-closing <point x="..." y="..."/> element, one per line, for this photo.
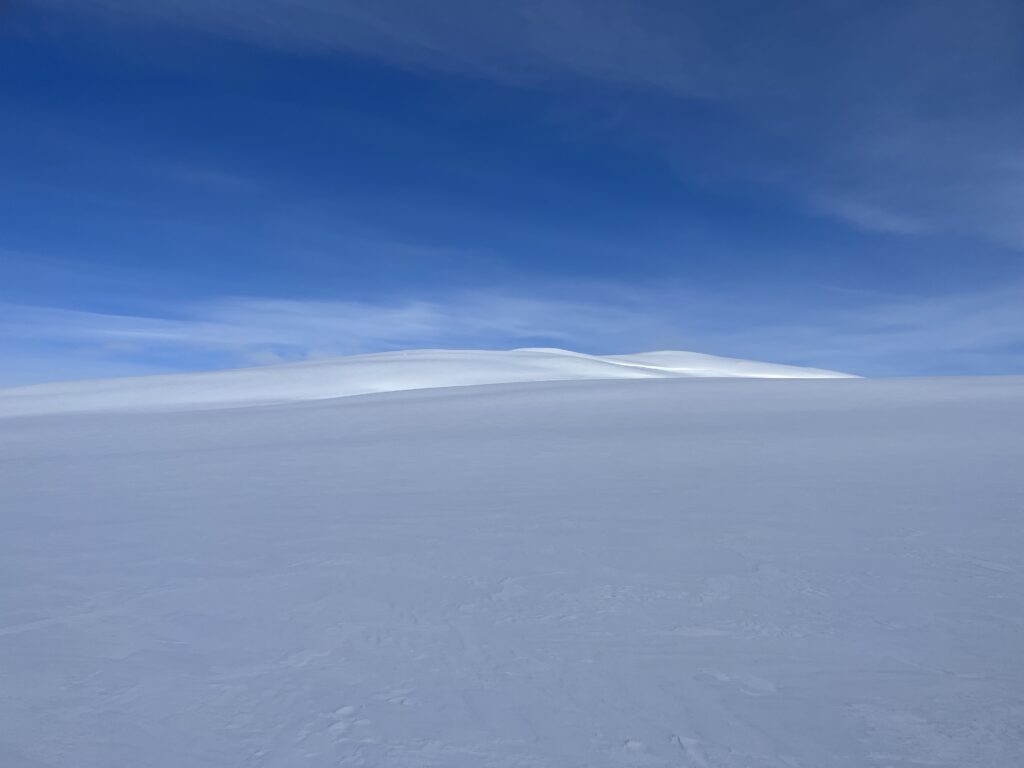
<point x="363" y="374"/>
<point x="697" y="573"/>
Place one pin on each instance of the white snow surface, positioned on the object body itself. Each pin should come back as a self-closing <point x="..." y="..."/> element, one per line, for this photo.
<point x="383" y="372"/>
<point x="684" y="572"/>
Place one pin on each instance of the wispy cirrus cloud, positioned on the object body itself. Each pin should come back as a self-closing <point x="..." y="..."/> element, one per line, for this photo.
<point x="903" y="116"/>
<point x="868" y="216"/>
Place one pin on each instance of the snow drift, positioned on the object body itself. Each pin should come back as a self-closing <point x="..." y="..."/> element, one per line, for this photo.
<point x="363" y="374"/>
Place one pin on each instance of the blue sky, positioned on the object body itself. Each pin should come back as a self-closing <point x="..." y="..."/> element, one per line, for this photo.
<point x="206" y="183"/>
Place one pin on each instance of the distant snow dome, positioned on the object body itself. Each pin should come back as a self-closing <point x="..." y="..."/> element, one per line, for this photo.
<point x="383" y="372"/>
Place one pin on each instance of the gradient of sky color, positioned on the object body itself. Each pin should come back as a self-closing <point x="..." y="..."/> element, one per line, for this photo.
<point x="211" y="183"/>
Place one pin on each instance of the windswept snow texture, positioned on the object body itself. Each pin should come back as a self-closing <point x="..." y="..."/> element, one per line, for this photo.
<point x="696" y="573"/>
<point x="386" y="372"/>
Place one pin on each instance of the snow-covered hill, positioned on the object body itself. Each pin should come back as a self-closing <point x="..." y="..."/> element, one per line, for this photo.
<point x="695" y="573"/>
<point x="363" y="374"/>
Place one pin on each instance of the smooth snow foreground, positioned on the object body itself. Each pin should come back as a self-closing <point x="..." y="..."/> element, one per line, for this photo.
<point x="697" y="573"/>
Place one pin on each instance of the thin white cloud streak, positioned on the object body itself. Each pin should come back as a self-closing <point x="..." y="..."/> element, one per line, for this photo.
<point x="973" y="333"/>
<point x="869" y="217"/>
<point x="907" y="111"/>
